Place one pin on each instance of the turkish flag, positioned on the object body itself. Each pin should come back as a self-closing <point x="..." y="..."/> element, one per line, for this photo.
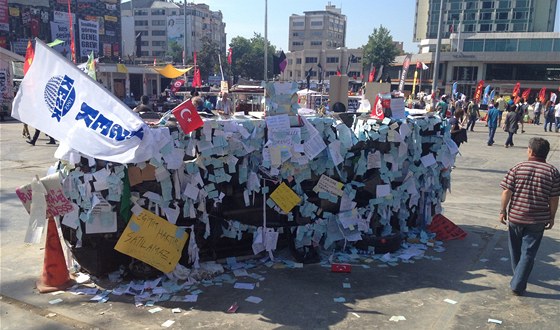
<point x="187" y="116"/>
<point x="176" y="86"/>
<point x="29" y="54"/>
<point x="377" y="109"/>
<point x="230" y="53"/>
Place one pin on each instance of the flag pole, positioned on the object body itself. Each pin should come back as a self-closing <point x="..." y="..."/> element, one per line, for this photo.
<point x="436" y="60"/>
<point x="265" y="39"/>
<point x="72" y="41"/>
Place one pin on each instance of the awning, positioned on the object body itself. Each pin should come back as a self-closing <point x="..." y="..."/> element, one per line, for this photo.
<point x="169" y="71"/>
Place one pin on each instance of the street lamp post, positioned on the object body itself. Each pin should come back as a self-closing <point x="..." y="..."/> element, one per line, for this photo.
<point x="265" y="39"/>
<point x="436" y="61"/>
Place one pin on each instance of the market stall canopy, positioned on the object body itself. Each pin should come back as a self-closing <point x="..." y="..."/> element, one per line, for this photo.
<point x="169" y="71"/>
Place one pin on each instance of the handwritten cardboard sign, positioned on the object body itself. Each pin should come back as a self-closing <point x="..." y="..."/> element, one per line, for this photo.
<point x="153" y="240"/>
<point x="285" y="197"/>
<point x="57" y="203"/>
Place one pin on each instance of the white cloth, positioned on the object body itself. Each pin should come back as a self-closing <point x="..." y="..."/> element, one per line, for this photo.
<point x="62" y="101"/>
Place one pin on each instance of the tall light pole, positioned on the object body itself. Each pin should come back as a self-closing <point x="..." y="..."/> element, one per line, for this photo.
<point x="436" y="61"/>
<point x="185" y="38"/>
<point x="265" y="39"/>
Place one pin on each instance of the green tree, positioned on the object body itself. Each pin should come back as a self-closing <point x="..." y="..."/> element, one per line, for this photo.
<point x="380" y="49"/>
<point x="175" y="51"/>
<point x="207" y="58"/>
<point x="248" y="57"/>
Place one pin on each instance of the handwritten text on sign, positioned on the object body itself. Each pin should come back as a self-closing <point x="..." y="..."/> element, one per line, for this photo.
<point x="153" y="240"/>
<point x="57" y="203"/>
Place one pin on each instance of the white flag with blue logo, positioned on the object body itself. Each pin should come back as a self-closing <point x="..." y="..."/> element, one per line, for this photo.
<point x="62" y="101"/>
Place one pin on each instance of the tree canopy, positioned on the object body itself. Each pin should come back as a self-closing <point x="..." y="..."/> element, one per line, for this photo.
<point x="248" y="57"/>
<point x="380" y="49"/>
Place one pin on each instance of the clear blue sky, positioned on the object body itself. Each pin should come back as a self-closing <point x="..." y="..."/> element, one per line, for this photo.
<point x="244" y="17"/>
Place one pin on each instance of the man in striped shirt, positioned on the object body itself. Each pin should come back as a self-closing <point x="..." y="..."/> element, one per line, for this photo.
<point x="529" y="203"/>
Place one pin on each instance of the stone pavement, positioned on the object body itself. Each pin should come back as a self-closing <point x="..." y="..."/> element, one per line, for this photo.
<point x="473" y="272"/>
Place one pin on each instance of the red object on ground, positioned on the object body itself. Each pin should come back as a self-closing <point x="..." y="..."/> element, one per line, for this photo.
<point x="444" y="229"/>
<point x="55" y="275"/>
<point x="341" y="268"/>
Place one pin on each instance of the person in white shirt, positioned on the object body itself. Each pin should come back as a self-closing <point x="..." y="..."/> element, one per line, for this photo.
<point x="557" y="117"/>
<point x="224" y="105"/>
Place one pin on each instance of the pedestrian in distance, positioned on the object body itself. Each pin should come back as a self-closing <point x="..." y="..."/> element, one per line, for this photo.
<point x="557" y="117"/>
<point x="501" y="105"/>
<point x="473" y="113"/>
<point x="36" y="136"/>
<point x="548" y="114"/>
<point x="457" y="130"/>
<point x="144" y="105"/>
<point x="492" y="121"/>
<point x="511" y="124"/>
<point x="522" y="113"/>
<point x="529" y="203"/>
<point x="537" y="107"/>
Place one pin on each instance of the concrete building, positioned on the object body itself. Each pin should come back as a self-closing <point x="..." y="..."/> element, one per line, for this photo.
<point x="96" y="26"/>
<point x="163" y="22"/>
<point x="474" y="52"/>
<point x="483" y="16"/>
<point x="317" y="40"/>
<point x="320" y="29"/>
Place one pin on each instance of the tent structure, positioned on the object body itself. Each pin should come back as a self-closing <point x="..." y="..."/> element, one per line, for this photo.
<point x="169" y="71"/>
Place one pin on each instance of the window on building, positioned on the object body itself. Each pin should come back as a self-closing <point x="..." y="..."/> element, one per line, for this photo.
<point x="310" y="60"/>
<point x="455" y="6"/>
<point x="473" y="45"/>
<point x="465" y="73"/>
<point x="332" y="59"/>
<point x="520" y="15"/>
<point x="296" y="34"/>
<point x="502" y="27"/>
<point x="469" y="28"/>
<point x="290" y="61"/>
<point x="486" y="16"/>
<point x="471" y="5"/>
<point x="298" y="24"/>
<point x="158" y="11"/>
<point x="487" y="4"/>
<point x="504" y="4"/>
<point x="556" y="45"/>
<point x="502" y="15"/>
<point x="316" y="43"/>
<point x="157" y="33"/>
<point x="454" y="17"/>
<point x="140" y="12"/>
<point x="158" y="22"/>
<point x="158" y="43"/>
<point x="141" y="23"/>
<point x="470" y="16"/>
<point x="519" y="27"/>
<point x="316" y="24"/>
<point x="298" y="60"/>
<point x="485" y="27"/>
<point x="158" y="53"/>
<point x="521" y="4"/>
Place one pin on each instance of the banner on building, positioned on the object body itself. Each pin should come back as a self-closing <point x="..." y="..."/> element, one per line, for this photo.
<point x="89" y="37"/>
<point x="62" y="17"/>
<point x="65" y="103"/>
<point x="176" y="29"/>
<point x="6" y="91"/>
<point x="61" y="31"/>
<point x="4" y="16"/>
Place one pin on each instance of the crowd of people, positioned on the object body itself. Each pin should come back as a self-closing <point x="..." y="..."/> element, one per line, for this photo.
<point x="464" y="113"/>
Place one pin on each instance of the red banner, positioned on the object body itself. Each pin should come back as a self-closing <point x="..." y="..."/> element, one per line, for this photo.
<point x="516" y="89"/>
<point x="542" y="94"/>
<point x="526" y="93"/>
<point x="405" y="66"/>
<point x="478" y="92"/>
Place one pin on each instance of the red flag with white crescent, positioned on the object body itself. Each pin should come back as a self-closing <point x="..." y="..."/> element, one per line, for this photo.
<point x="371" y="77"/>
<point x="516" y="89"/>
<point x="177" y="85"/>
<point x="230" y="53"/>
<point x="377" y="109"/>
<point x="187" y="116"/>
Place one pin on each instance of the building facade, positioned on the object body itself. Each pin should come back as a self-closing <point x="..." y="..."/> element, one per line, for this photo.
<point x="96" y="26"/>
<point x="483" y="16"/>
<point x="161" y="23"/>
<point x="321" y="29"/>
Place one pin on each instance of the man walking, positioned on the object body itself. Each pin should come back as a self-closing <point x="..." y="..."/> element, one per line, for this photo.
<point x="529" y="203"/>
<point x="492" y="121"/>
<point x="473" y="113"/>
<point x="501" y="103"/>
